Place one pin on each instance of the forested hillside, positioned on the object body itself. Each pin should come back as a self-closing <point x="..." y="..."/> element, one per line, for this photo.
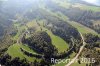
<point x="34" y="31"/>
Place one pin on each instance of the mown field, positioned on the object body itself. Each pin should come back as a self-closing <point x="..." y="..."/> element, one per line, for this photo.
<point x="83" y="29"/>
<point x="37" y="24"/>
<point x="15" y="51"/>
<point x="87" y="7"/>
<point x="66" y="4"/>
<point x="58" y="42"/>
<point x="96" y="22"/>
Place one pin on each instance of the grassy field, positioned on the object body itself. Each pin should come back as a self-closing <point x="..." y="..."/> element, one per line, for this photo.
<point x="87" y="7"/>
<point x="83" y="29"/>
<point x="96" y="22"/>
<point x="33" y="24"/>
<point x="20" y="28"/>
<point x="14" y="51"/>
<point x="63" y="3"/>
<point x="77" y="64"/>
<point x="97" y="49"/>
<point x="26" y="47"/>
<point x="17" y="35"/>
<point x="66" y="4"/>
<point x="58" y="42"/>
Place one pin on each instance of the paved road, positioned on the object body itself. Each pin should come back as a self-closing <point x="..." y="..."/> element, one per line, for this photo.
<point x="76" y="57"/>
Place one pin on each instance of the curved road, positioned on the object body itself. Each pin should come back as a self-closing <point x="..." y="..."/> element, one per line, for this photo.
<point x="76" y="57"/>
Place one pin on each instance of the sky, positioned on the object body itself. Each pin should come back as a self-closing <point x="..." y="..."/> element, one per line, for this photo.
<point x="96" y="2"/>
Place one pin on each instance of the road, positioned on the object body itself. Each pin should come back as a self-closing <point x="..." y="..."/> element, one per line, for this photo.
<point x="76" y="57"/>
<point x="19" y="40"/>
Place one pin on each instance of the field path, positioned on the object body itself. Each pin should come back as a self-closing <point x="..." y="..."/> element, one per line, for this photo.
<point x="76" y="57"/>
